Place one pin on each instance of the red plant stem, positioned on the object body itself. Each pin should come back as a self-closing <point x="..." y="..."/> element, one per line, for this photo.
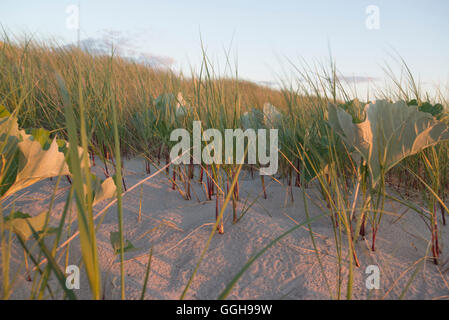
<point x="298" y="176"/>
<point x="93" y="158"/>
<point x="212" y="185"/>
<point x="290" y="184"/>
<point x="443" y="216"/>
<point x="209" y="187"/>
<point x="209" y="192"/>
<point x="105" y="156"/>
<point x="188" y="196"/>
<point x="216" y="209"/>
<point x="234" y="206"/>
<point x="123" y="176"/>
<point x="362" y="228"/>
<point x="217" y="206"/>
<point x="105" y="151"/>
<point x="435" y="245"/>
<point x="191" y="170"/>
<point x="263" y="187"/>
<point x="167" y="161"/>
<point x="201" y="175"/>
<point x="236" y="188"/>
<point x="174" y="179"/>
<point x="148" y="167"/>
<point x="373" y="245"/>
<point x="124" y="184"/>
<point x="188" y="190"/>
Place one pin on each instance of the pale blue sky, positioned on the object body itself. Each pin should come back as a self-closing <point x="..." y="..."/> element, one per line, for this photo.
<point x="262" y="32"/>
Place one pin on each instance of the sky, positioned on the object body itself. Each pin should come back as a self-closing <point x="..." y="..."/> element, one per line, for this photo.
<point x="261" y="36"/>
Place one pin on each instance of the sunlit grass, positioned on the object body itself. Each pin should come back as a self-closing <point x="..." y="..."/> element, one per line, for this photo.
<point x="114" y="109"/>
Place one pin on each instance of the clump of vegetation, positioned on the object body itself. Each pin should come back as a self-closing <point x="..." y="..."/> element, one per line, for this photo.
<point x="77" y="108"/>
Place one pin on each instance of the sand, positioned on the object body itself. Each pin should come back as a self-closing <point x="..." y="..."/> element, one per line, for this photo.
<point x="178" y="229"/>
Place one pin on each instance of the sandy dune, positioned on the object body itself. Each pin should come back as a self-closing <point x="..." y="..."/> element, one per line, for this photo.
<point x="178" y="230"/>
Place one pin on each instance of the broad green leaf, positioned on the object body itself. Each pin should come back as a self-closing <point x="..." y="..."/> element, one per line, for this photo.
<point x="4" y="113"/>
<point x="272" y="116"/>
<point x="10" y="135"/>
<point x="390" y="133"/>
<point x="355" y="109"/>
<point x="9" y="167"/>
<point x="114" y="238"/>
<point x="253" y="119"/>
<point x="41" y="135"/>
<point x="36" y="164"/>
<point x="17" y="215"/>
<point x="20" y="222"/>
<point x="434" y="110"/>
<point x="62" y="144"/>
<point x="181" y="107"/>
<point x="166" y="106"/>
<point x="104" y="190"/>
<point x="30" y="158"/>
<point x="24" y="159"/>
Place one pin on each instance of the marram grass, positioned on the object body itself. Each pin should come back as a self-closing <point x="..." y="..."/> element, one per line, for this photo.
<point x="110" y="108"/>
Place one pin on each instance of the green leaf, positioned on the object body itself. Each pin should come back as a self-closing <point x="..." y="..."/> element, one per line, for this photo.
<point x="253" y="119"/>
<point x="412" y="102"/>
<point x="17" y="215"/>
<point x="271" y="115"/>
<point x="434" y="110"/>
<point x="62" y="144"/>
<point x="36" y="164"/>
<point x="114" y="238"/>
<point x="355" y="109"/>
<point x="4" y="113"/>
<point x="20" y="222"/>
<point x="390" y="133"/>
<point x="9" y="167"/>
<point x="40" y="135"/>
<point x="103" y="190"/>
<point x="27" y="159"/>
<point x="166" y="105"/>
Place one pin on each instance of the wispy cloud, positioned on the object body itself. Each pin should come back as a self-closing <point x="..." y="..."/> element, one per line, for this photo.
<point x="126" y="45"/>
<point x="357" y="79"/>
<point x="270" y="84"/>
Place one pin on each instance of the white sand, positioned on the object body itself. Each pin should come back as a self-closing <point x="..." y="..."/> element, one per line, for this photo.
<point x="178" y="230"/>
